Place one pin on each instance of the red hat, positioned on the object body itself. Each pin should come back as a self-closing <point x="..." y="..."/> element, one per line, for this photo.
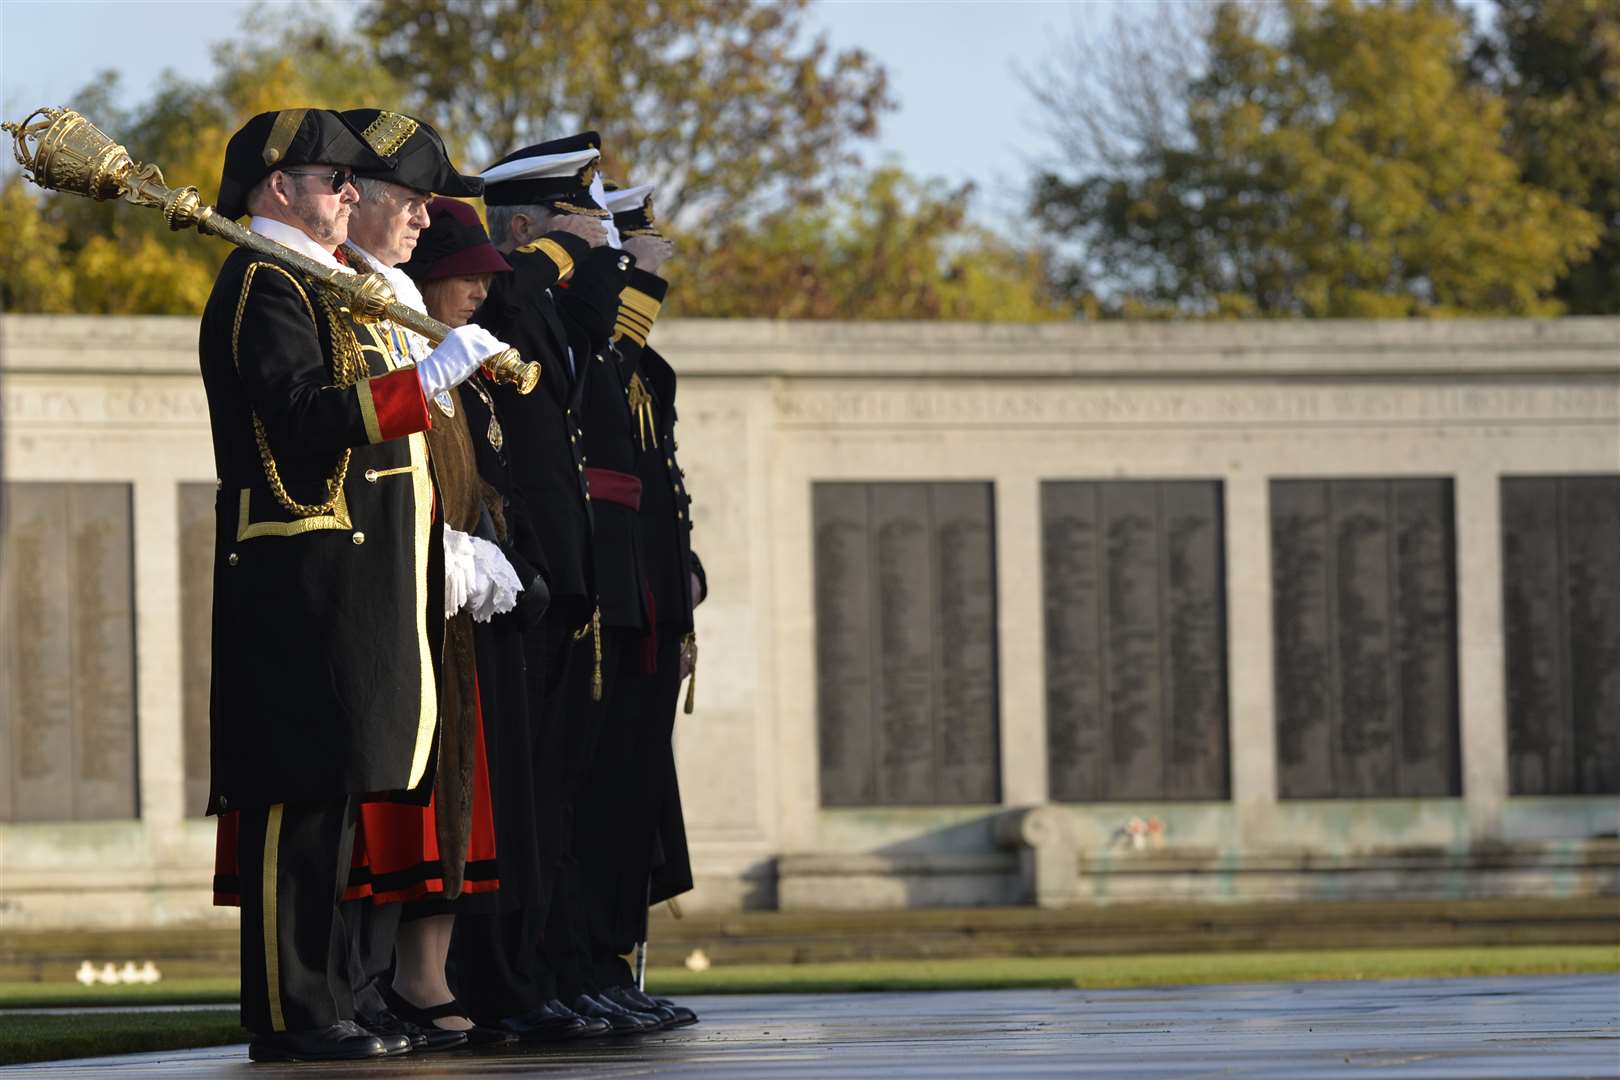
<point x="454" y="244"/>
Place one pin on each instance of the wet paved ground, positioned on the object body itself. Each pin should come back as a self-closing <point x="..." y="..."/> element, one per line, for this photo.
<point x="1477" y="1029"/>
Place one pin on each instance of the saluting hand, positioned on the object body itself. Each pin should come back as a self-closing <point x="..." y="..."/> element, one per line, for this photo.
<point x="589" y="229"/>
<point x="651" y="252"/>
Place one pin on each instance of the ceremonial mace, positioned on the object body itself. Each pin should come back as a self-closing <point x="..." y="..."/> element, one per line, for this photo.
<point x="71" y="154"/>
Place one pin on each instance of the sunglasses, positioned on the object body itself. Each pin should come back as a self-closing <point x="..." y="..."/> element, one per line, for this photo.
<point x="339" y="178"/>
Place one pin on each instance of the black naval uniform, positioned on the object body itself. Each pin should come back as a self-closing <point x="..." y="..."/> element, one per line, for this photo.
<point x="589" y="309"/>
<point x="328" y="617"/>
<point x="547" y="502"/>
<point x="636" y="761"/>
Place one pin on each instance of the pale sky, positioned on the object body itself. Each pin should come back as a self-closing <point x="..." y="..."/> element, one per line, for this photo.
<point x="952" y="66"/>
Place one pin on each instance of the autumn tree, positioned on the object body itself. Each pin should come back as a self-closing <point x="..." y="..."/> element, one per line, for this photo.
<point x="116" y="259"/>
<point x="1304" y="159"/>
<point x="1557" y="64"/>
<point x="891" y="248"/>
<point x="721" y="103"/>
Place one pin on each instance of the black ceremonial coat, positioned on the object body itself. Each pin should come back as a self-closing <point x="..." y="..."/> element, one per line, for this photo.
<point x="327" y="626"/>
<point x="543" y="444"/>
<point x="588" y="308"/>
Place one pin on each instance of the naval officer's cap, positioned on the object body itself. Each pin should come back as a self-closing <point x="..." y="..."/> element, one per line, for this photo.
<point x="557" y="174"/>
<point x="287" y="138"/>
<point x="632" y="209"/>
<point x="420" y="159"/>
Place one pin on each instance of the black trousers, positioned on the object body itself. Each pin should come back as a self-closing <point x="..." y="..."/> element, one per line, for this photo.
<point x="293" y="863"/>
<point x="371" y="930"/>
<point x="566" y="940"/>
<point x="496" y="964"/>
<point x="620" y="808"/>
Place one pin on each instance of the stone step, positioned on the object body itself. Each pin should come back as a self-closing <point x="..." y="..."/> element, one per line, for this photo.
<point x="946" y="933"/>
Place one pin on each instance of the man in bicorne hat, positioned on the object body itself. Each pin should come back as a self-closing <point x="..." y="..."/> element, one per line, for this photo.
<point x="328" y="584"/>
<point x="383" y="231"/>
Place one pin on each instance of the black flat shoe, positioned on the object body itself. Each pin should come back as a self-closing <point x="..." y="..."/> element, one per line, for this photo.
<point x="343" y="1041"/>
<point x="423" y="1018"/>
<point x="620" y="1020"/>
<point x="683" y="1015"/>
<point x="422" y="1040"/>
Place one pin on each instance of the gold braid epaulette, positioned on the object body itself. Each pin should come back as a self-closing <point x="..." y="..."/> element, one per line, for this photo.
<point x="348" y="366"/>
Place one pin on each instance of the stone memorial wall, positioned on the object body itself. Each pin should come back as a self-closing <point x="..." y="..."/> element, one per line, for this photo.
<point x="1056" y="614"/>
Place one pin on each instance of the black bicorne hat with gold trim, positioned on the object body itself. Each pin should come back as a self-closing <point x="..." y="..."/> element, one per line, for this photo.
<point x="557" y="174"/>
<point x="282" y="139"/>
<point x="422" y="163"/>
<point x="632" y="209"/>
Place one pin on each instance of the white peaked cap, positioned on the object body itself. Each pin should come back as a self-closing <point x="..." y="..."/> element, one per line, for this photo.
<point x="541" y="166"/>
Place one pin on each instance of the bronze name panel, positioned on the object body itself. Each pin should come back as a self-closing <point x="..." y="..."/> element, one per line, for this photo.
<point x="1134" y="592"/>
<point x="906" y="644"/>
<point x="1364" y="615"/>
<point x="67" y="691"/>
<point x="1561" y="615"/>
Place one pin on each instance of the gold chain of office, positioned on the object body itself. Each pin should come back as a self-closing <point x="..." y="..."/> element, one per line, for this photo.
<point x="348" y="367"/>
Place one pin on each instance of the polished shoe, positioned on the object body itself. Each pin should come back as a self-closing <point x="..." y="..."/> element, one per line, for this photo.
<point x="620" y="996"/>
<point x="635" y="998"/>
<point x="424" y="1017"/>
<point x="343" y="1041"/>
<point x="594" y="1028"/>
<point x="551" y="1024"/>
<point x="388" y="1023"/>
<point x="621" y="1020"/>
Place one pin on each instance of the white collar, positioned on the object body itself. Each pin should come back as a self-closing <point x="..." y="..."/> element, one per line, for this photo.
<point x="405" y="290"/>
<point x="293" y="237"/>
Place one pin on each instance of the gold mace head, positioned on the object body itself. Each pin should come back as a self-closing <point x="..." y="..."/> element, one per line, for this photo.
<point x="61" y="150"/>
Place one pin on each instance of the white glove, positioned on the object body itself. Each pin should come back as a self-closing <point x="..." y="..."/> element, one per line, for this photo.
<point x="457" y="357"/>
<point x="497" y="587"/>
<point x="460" y="571"/>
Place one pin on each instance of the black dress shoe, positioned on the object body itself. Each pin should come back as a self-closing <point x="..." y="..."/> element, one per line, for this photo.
<point x="548" y="1025"/>
<point x="343" y="1041"/>
<point x="423" y="1018"/>
<point x="594" y="1027"/>
<point x="423" y="1040"/>
<point x="620" y="996"/>
<point x="622" y="1021"/>
<point x="636" y="999"/>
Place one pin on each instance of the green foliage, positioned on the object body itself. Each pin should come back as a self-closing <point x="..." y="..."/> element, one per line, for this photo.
<point x="718" y="102"/>
<point x="1338" y="164"/>
<point x="894" y="248"/>
<point x="1557" y="63"/>
<point x="111" y="258"/>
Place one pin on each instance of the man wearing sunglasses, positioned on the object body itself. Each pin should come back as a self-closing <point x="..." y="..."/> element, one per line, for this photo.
<point x="328" y="579"/>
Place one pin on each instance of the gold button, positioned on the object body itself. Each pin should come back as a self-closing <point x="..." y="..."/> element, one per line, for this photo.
<point x="587" y="496"/>
<point x="358" y="537"/>
<point x="670" y="462"/>
<point x="581" y="468"/>
<point x="232" y="559"/>
<point x="218" y="484"/>
<point x="679" y="516"/>
<point x="371" y="476"/>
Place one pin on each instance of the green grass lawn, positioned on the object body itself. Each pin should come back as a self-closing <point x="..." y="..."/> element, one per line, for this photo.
<point x="51" y="1038"/>
<point x="1166" y="969"/>
<point x="42" y="1038"/>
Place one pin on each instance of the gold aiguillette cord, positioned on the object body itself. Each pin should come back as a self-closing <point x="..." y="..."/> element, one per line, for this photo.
<point x="594" y="628"/>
